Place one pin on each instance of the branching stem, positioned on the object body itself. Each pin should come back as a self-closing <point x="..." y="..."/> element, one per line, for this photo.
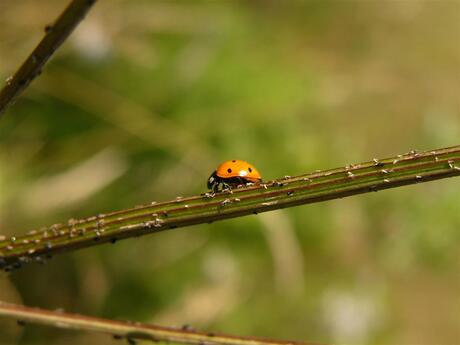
<point x="412" y="167"/>
<point x="55" y="35"/>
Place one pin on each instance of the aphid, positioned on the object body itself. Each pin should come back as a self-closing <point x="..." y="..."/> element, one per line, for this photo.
<point x="225" y="202"/>
<point x="187" y="327"/>
<point x="233" y="173"/>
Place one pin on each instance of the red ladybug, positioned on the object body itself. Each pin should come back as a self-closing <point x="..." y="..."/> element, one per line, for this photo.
<point x="233" y="173"/>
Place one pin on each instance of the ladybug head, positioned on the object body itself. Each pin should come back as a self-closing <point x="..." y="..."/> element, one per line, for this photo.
<point x="212" y="180"/>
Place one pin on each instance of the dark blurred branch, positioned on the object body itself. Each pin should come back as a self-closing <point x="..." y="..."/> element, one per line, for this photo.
<point x="128" y="330"/>
<point x="55" y="35"/>
<point x="410" y="168"/>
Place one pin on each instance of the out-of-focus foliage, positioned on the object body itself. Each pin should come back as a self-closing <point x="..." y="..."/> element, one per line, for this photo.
<point x="147" y="97"/>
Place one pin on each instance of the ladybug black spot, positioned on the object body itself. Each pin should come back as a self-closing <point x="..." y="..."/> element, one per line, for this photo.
<point x="233" y="161"/>
<point x="229" y="170"/>
<point x="249" y="169"/>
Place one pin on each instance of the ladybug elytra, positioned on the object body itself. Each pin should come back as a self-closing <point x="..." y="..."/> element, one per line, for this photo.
<point x="233" y="173"/>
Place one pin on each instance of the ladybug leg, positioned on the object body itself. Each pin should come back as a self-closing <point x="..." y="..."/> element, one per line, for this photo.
<point x="242" y="181"/>
<point x="226" y="186"/>
<point x="216" y="186"/>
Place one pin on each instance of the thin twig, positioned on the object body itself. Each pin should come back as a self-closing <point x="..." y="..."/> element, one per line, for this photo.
<point x="412" y="167"/>
<point x="55" y="35"/>
<point x="129" y="330"/>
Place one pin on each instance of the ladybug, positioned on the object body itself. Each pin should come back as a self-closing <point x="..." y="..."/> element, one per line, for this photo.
<point x="233" y="173"/>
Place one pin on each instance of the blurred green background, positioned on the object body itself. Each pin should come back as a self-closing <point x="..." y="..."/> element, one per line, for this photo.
<point x="147" y="97"/>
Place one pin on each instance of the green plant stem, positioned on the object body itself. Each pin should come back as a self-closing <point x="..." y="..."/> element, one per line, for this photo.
<point x="409" y="168"/>
<point x="55" y="35"/>
<point x="127" y="329"/>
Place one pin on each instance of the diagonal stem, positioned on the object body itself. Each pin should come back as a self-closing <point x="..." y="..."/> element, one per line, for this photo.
<point x="55" y="35"/>
<point x="409" y="168"/>
<point x="129" y="330"/>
